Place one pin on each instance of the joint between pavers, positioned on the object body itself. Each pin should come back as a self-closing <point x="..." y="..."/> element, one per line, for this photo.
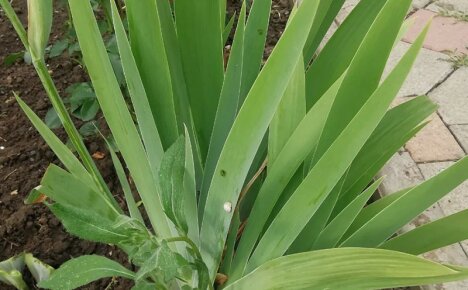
<point x="455" y="136"/>
<point x="439" y="83"/>
<point x="451" y="132"/>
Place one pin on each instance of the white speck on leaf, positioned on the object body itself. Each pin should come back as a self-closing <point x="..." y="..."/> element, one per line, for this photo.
<point x="227" y="206"/>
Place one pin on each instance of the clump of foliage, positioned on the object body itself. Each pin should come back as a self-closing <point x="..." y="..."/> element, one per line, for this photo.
<point x="252" y="177"/>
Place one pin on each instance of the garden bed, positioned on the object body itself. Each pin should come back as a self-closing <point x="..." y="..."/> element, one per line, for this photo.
<point x="25" y="156"/>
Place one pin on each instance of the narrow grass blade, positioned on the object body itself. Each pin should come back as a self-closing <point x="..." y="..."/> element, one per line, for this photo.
<point x="227" y="107"/>
<point x="179" y="86"/>
<point x="332" y="165"/>
<point x="289" y="114"/>
<point x="326" y="14"/>
<point x="363" y="77"/>
<point x="333" y="232"/>
<point x="255" y="37"/>
<point x="146" y="36"/>
<point x="199" y="32"/>
<point x="129" y="199"/>
<point x="247" y="133"/>
<point x="39" y="25"/>
<point x="333" y="58"/>
<point x="296" y="150"/>
<point x="372" y="210"/>
<point x="306" y="239"/>
<point x="230" y="244"/>
<point x="228" y="28"/>
<point x="398" y="126"/>
<point x="61" y="150"/>
<point x="190" y="192"/>
<point x="116" y="112"/>
<point x="408" y="206"/>
<point x="431" y="236"/>
<point x="136" y="89"/>
<point x="348" y="269"/>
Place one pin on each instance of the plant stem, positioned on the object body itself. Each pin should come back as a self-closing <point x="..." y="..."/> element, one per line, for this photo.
<point x="59" y="106"/>
<point x="188" y="241"/>
<point x="192" y="245"/>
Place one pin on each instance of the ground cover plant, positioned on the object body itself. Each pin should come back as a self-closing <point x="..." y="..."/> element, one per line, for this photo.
<point x="248" y="176"/>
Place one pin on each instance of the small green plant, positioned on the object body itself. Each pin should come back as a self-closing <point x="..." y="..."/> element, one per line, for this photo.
<point x="11" y="270"/>
<point x="251" y="176"/>
<point x="82" y="103"/>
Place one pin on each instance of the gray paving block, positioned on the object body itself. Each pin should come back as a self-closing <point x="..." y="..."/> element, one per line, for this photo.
<point x="418" y="4"/>
<point x="461" y="133"/>
<point x="452" y="98"/>
<point x="427" y="71"/>
<point x="455" y="201"/>
<point x="400" y="172"/>
<point x="450" y="5"/>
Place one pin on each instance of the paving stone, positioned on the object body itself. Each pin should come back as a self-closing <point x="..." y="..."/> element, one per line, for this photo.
<point x="452" y="98"/>
<point x="449" y="5"/>
<point x="445" y="34"/>
<point x="455" y="201"/>
<point x="418" y="4"/>
<point x="461" y="134"/>
<point x="428" y="70"/>
<point x="434" y="143"/>
<point x="400" y="172"/>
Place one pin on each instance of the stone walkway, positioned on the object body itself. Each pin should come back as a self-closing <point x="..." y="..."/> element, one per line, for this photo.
<point x="440" y="74"/>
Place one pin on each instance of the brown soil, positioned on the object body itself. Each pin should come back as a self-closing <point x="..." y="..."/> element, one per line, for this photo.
<point x="25" y="157"/>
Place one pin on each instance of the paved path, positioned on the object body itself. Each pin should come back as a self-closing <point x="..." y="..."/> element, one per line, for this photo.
<point x="438" y="73"/>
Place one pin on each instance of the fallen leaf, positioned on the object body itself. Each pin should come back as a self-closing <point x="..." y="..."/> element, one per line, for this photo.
<point x="221" y="279"/>
<point x="98" y="155"/>
<point x="40" y="198"/>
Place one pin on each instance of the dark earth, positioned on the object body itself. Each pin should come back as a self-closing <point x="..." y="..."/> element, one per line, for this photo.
<point x="25" y="156"/>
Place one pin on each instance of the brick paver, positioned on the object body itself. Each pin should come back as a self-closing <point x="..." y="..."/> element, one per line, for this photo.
<point x="452" y="98"/>
<point x="402" y="172"/>
<point x="445" y="139"/>
<point x="461" y="133"/>
<point x="445" y="34"/>
<point x="429" y="69"/>
<point x="434" y="143"/>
